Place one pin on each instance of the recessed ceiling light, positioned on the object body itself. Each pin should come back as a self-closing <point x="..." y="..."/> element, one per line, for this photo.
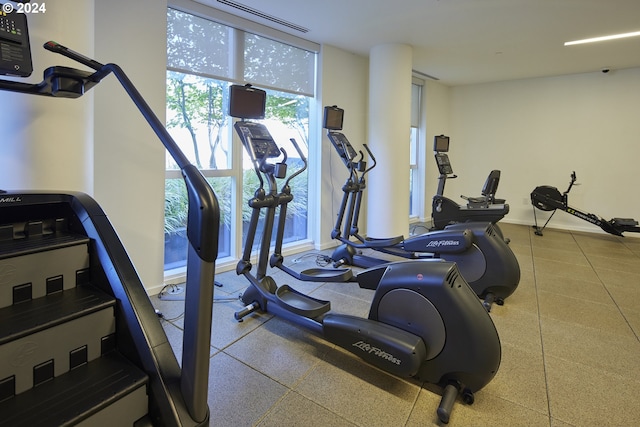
<point x="603" y="38"/>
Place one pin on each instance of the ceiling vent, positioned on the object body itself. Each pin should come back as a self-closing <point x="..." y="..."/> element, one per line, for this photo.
<point x="263" y="15"/>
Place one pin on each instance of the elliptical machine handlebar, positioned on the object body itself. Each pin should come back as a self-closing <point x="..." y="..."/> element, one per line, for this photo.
<point x="373" y="159"/>
<point x="302" y="157"/>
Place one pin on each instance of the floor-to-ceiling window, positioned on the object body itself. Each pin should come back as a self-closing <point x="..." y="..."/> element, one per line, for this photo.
<point x="416" y="196"/>
<point x="204" y="57"/>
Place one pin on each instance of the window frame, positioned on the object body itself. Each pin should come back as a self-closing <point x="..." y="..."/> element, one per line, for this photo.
<point x="417" y="143"/>
<point x="238" y="27"/>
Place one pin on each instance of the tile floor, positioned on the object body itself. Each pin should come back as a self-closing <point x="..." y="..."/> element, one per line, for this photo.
<point x="569" y="334"/>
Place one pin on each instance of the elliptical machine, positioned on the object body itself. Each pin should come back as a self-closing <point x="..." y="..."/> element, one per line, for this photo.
<point x="484" y="259"/>
<point x="445" y="211"/>
<point x="547" y="198"/>
<point x="424" y="322"/>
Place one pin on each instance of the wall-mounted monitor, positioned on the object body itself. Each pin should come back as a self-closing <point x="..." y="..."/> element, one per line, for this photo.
<point x="247" y="102"/>
<point x="441" y="143"/>
<point x="333" y="117"/>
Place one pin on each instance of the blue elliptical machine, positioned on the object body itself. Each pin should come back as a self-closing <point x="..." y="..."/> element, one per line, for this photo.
<point x="424" y="322"/>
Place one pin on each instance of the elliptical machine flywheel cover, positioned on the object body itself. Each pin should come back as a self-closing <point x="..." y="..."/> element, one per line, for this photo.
<point x="409" y="310"/>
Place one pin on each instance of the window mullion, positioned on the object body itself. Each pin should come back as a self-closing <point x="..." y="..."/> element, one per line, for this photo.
<point x="236" y="52"/>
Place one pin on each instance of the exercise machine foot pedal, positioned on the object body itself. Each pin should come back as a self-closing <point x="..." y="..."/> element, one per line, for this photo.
<point x="301" y="304"/>
<point x="372" y="242"/>
<point x="624" y="222"/>
<point x="326" y="275"/>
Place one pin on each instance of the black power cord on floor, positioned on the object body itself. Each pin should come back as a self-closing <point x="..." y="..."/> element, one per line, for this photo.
<point x="179" y="290"/>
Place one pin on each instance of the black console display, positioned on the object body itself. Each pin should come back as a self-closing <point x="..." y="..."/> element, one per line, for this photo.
<point x="246" y="102"/>
<point x="15" y="53"/>
<point x="257" y="139"/>
<point x="444" y="165"/>
<point x="343" y="146"/>
<point x="441" y="144"/>
<point x="333" y="118"/>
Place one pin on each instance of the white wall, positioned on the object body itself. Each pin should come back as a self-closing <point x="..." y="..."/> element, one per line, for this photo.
<point x="46" y="142"/>
<point x="99" y="143"/>
<point x="129" y="159"/>
<point x="537" y="131"/>
<point x="345" y="83"/>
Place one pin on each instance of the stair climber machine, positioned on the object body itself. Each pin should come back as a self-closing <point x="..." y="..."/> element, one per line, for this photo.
<point x="80" y="341"/>
<point x="424" y="322"/>
<point x="445" y="211"/>
<point x="547" y="198"/>
<point x="484" y="259"/>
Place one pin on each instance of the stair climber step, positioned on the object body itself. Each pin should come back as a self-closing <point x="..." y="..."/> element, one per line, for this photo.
<point x="109" y="391"/>
<point x="14" y="240"/>
<point x="19" y="320"/>
<point x="51" y="335"/>
<point x="36" y="267"/>
<point x="59" y="361"/>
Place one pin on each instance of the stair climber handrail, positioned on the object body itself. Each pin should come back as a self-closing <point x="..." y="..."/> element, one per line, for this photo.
<point x="202" y="222"/>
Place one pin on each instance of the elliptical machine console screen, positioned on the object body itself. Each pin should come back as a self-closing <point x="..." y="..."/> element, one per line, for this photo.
<point x="343" y="146"/>
<point x="333" y="118"/>
<point x="257" y="139"/>
<point x="441" y="144"/>
<point x="247" y="102"/>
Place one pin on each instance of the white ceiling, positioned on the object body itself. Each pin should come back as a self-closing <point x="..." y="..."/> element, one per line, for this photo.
<point x="468" y="41"/>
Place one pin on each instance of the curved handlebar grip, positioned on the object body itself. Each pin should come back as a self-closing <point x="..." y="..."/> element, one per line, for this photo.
<point x="373" y="159"/>
<point x="304" y="161"/>
<point x="297" y="147"/>
<point x="65" y="51"/>
<point x="573" y="178"/>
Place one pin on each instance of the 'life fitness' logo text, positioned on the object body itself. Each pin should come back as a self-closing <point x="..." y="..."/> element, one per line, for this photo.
<point x="368" y="348"/>
<point x="440" y="243"/>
